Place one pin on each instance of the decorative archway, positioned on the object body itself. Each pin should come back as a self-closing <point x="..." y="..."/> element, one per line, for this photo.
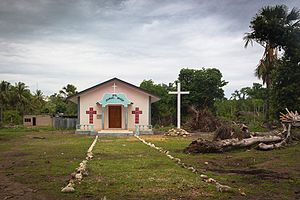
<point x="115" y="99"/>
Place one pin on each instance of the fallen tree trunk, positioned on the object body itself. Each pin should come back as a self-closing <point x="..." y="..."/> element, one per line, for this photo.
<point x="286" y="131"/>
<point x="206" y="146"/>
<point x="267" y="142"/>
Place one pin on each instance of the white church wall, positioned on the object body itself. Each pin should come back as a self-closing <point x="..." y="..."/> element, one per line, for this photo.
<point x="139" y="99"/>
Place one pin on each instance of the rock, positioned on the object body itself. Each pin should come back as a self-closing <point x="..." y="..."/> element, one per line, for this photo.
<point x="68" y="189"/>
<point x="210" y="180"/>
<point x="204" y="176"/>
<point x="73" y="175"/>
<point x="177" y="132"/>
<point x="243" y="193"/>
<point x="223" y="188"/>
<point x="78" y="176"/>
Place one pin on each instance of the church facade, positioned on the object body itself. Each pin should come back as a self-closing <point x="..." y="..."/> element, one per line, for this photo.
<point x="113" y="106"/>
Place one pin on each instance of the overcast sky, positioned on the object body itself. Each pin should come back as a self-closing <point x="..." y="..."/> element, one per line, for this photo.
<point x="49" y="43"/>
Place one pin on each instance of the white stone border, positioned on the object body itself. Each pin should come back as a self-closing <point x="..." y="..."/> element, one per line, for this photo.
<point x="205" y="178"/>
<point x="81" y="170"/>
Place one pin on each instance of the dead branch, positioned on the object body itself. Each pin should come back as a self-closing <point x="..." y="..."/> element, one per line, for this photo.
<point x="287" y="131"/>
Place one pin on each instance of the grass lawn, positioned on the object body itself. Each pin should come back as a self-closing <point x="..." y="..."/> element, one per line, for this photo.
<point x="124" y="168"/>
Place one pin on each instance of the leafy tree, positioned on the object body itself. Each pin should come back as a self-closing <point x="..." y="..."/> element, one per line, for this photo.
<point x="286" y="89"/>
<point x="205" y="86"/>
<point x="241" y="94"/>
<point x="163" y="111"/>
<point x="286" y="86"/>
<point x="269" y="28"/>
<point x="256" y="91"/>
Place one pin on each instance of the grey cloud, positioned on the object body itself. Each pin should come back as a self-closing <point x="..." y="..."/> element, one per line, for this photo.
<point x="54" y="42"/>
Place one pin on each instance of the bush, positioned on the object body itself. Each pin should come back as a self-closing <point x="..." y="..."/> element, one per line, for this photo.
<point x="12" y="117"/>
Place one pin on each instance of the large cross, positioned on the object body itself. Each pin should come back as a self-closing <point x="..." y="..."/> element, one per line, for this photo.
<point x="137" y="113"/>
<point x="114" y="86"/>
<point x="91" y="112"/>
<point x="179" y="93"/>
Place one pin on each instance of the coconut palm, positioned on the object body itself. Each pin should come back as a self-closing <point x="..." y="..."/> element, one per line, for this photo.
<point x="270" y="28"/>
<point x="38" y="101"/>
<point x="21" y="95"/>
<point x="4" y="92"/>
<point x="68" y="90"/>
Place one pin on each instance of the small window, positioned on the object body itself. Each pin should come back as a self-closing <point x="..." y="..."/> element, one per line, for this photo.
<point x="27" y="119"/>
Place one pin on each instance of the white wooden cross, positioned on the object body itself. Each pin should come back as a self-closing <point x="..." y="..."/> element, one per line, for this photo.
<point x="114" y="86"/>
<point x="179" y="93"/>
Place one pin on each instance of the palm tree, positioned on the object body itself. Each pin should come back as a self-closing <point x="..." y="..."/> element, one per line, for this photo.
<point x="22" y="95"/>
<point x="68" y="90"/>
<point x="39" y="101"/>
<point x="269" y="28"/>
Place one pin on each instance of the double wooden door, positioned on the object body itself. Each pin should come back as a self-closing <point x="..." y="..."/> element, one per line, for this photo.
<point x="115" y="116"/>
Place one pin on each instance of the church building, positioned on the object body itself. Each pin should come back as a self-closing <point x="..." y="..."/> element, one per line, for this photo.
<point x="114" y="106"/>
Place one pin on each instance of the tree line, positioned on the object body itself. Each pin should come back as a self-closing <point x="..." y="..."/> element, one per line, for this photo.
<point x="17" y="100"/>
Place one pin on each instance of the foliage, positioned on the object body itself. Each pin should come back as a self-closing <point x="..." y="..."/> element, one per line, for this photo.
<point x="19" y="98"/>
<point x="286" y="89"/>
<point x="12" y="117"/>
<point x="205" y="86"/>
<point x="246" y="105"/>
<point x="68" y="91"/>
<point x="271" y="28"/>
<point x="163" y="111"/>
<point x="286" y="86"/>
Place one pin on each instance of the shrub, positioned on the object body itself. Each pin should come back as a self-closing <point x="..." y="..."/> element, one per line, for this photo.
<point x="12" y="117"/>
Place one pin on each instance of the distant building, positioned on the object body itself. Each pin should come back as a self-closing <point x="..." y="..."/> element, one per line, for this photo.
<point x="37" y="120"/>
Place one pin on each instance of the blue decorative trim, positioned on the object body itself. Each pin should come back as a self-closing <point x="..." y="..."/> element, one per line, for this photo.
<point x="114" y="99"/>
<point x="102" y="117"/>
<point x="126" y="118"/>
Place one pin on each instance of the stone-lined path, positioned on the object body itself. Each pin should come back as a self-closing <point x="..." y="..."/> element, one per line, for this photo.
<point x="220" y="187"/>
<point x="81" y="170"/>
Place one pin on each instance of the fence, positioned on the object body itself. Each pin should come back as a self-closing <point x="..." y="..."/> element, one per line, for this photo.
<point x="64" y="123"/>
<point x="143" y="129"/>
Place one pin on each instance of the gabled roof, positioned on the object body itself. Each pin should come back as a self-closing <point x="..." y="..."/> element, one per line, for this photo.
<point x="154" y="97"/>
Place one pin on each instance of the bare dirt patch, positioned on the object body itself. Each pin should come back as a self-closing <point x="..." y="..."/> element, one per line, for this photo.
<point x="14" y="190"/>
<point x="262" y="173"/>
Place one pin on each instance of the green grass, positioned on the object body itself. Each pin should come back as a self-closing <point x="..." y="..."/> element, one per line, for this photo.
<point x="43" y="164"/>
<point x="280" y="168"/>
<point x="125" y="168"/>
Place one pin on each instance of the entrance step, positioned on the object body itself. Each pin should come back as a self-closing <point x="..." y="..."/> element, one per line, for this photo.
<point x="115" y="133"/>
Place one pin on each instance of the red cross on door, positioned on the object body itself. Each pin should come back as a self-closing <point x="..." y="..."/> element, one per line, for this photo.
<point x="137" y="112"/>
<point x="91" y="113"/>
